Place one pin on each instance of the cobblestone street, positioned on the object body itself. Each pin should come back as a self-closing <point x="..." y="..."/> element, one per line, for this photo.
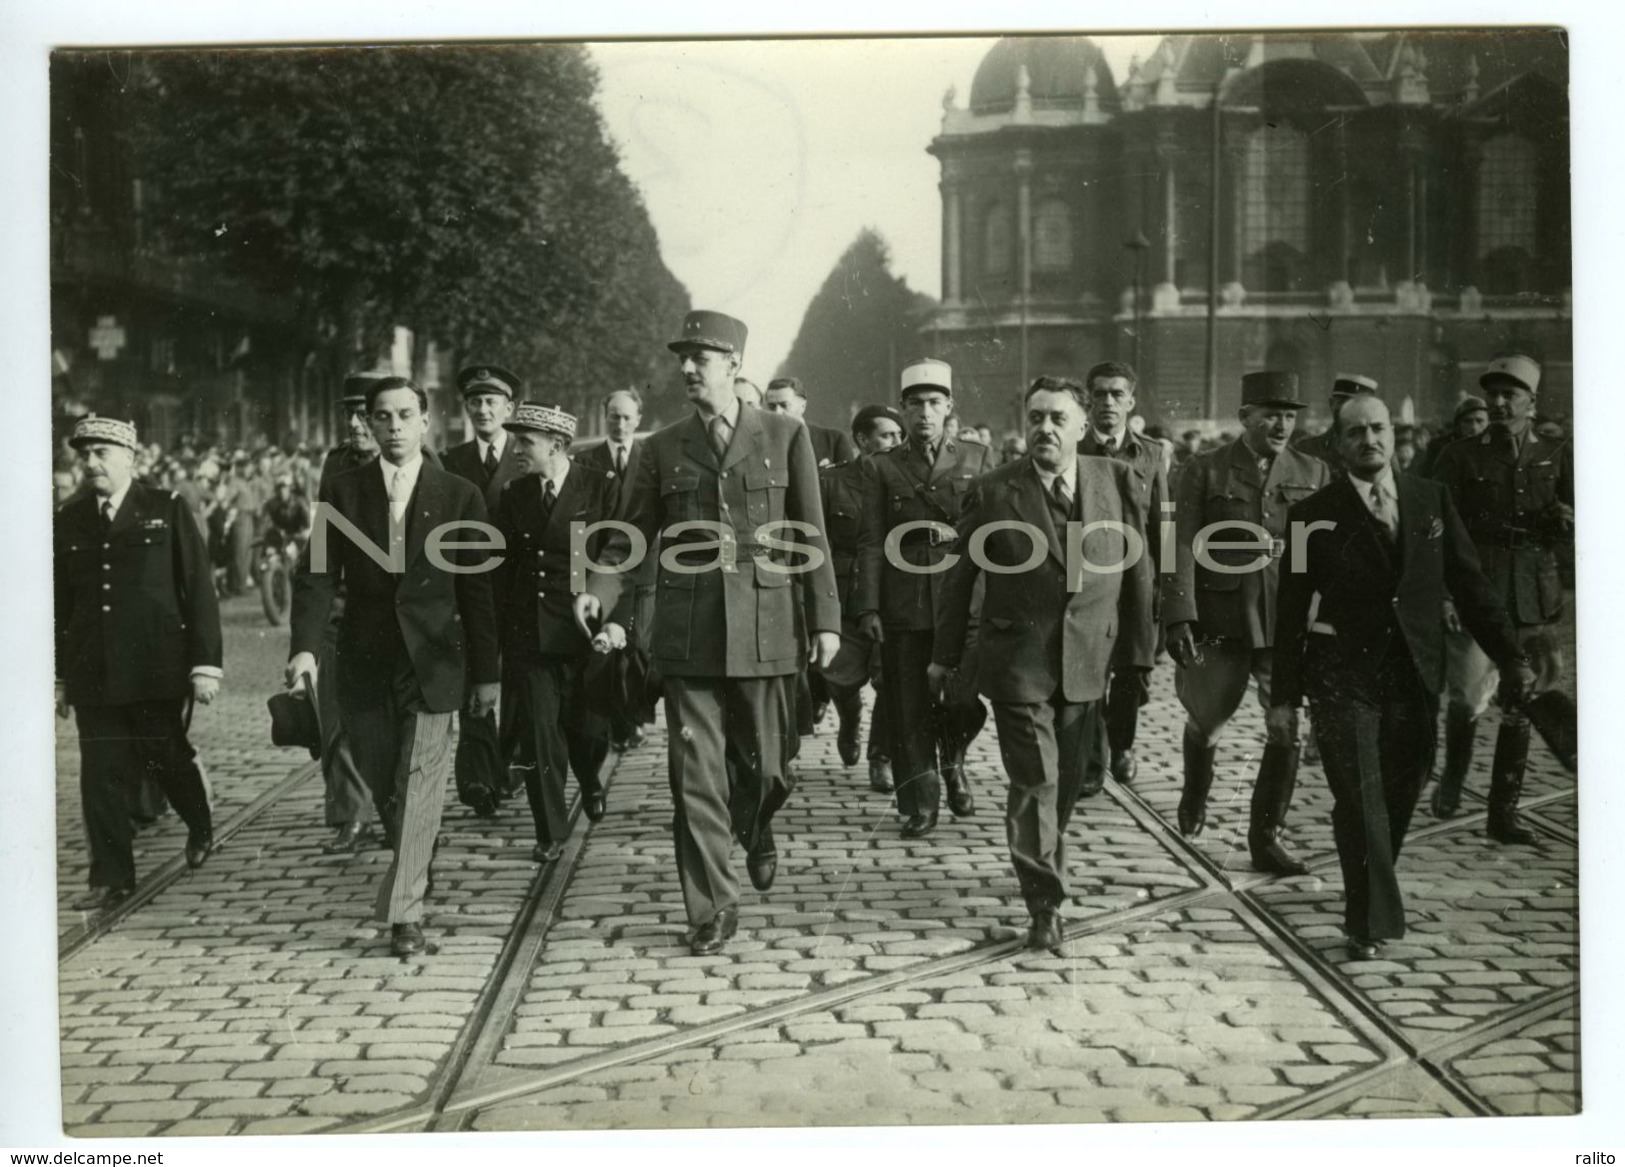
<point x="881" y="981"/>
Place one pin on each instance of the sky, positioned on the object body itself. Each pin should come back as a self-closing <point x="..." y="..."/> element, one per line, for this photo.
<point x="760" y="161"/>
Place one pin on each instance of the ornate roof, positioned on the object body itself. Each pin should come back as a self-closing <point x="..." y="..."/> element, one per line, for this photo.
<point x="1058" y="71"/>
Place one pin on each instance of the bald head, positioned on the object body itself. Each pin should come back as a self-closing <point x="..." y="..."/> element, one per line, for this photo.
<point x="1365" y="435"/>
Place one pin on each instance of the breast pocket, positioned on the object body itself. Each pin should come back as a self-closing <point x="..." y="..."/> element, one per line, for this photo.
<point x="680" y="496"/>
<point x="764" y="495"/>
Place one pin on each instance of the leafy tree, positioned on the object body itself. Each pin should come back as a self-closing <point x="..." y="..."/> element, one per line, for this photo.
<point x="857" y="333"/>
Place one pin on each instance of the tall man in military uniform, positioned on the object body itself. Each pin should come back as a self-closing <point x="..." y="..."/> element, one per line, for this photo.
<point x="545" y="726"/>
<point x="1110" y="394"/>
<point x="1515" y="492"/>
<point x="913" y="496"/>
<point x="137" y="638"/>
<point x="1218" y="605"/>
<point x="725" y="636"/>
<point x="875" y="428"/>
<point x="1324" y="444"/>
<point x="1051" y="629"/>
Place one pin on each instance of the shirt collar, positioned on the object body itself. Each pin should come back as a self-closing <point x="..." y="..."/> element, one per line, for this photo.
<point x="1382" y="484"/>
<point x="497" y="443"/>
<point x="409" y="469"/>
<point x="1110" y="441"/>
<point x="731" y="413"/>
<point x="114" y="500"/>
<point x="1067" y="473"/>
<point x="558" y="479"/>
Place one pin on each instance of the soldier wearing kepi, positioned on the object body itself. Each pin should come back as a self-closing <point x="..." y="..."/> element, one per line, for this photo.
<point x="1324" y="445"/>
<point x="1110" y="391"/>
<point x="137" y="638"/>
<point x="913" y="497"/>
<point x="1052" y="623"/>
<point x="358" y="447"/>
<point x="1515" y="492"/>
<point x="545" y="726"/>
<point x="1218" y="605"/>
<point x="875" y="428"/>
<point x="717" y="485"/>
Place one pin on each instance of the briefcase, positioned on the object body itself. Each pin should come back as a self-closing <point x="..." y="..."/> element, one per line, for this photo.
<point x="1556" y="720"/>
<point x="478" y="768"/>
<point x="294" y="722"/>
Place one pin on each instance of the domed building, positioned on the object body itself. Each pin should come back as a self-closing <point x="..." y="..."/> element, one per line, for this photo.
<point x="1393" y="204"/>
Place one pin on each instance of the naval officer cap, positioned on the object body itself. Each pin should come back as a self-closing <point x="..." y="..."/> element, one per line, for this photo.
<point x="927" y="373"/>
<point x="488" y="379"/>
<point x="1514" y="367"/>
<point x="712" y="330"/>
<point x="534" y="417"/>
<point x="1271" y="388"/>
<point x="104" y="430"/>
<point x="1352" y="385"/>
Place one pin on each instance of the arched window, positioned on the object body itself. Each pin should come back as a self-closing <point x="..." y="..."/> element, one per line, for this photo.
<point x="1052" y="237"/>
<point x="1275" y="207"/>
<point x="998" y="251"/>
<point x="1506" y="195"/>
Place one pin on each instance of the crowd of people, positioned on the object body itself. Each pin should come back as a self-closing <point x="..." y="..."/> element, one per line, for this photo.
<point x="1369" y="572"/>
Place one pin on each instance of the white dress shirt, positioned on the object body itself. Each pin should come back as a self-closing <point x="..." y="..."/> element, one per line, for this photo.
<point x="1376" y="493"/>
<point x="399" y="482"/>
<point x="496" y="445"/>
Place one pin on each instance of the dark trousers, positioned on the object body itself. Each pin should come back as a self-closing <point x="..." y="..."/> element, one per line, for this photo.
<point x="1118" y="718"/>
<point x="730" y="741"/>
<point x="404" y="753"/>
<point x="546" y="734"/>
<point x="1377" y="741"/>
<point x="345" y="797"/>
<point x="1042" y="746"/>
<point x="119" y="747"/>
<point x="910" y="720"/>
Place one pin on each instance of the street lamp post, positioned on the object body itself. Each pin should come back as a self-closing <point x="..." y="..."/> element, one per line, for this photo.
<point x="1139" y="245"/>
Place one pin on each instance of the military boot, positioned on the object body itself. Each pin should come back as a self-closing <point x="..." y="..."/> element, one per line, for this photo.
<point x="1198" y="781"/>
<point x="1272" y="798"/>
<point x="1506" y="785"/>
<point x="1460" y="727"/>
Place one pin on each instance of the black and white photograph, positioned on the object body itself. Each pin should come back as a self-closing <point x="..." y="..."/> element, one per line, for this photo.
<point x="904" y="579"/>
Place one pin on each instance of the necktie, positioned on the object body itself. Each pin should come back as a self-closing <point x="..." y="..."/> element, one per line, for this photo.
<point x="106" y="515"/>
<point x="549" y="497"/>
<point x="719" y="436"/>
<point x="1063" y="495"/>
<point x="398" y="493"/>
<point x="1382" y="509"/>
<point x="620" y="461"/>
<point x="490" y="461"/>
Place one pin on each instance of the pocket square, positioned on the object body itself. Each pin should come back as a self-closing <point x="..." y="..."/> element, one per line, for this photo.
<point x="1436" y="529"/>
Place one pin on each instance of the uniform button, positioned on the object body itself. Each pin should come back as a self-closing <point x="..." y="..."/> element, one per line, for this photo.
<point x="107" y="567"/>
<point x="105" y="546"/>
<point x="107" y="587"/>
<point x="724" y="474"/>
<point x="107" y="607"/>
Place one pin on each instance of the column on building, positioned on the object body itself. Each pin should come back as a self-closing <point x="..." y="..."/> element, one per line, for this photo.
<point x="1165" y="295"/>
<point x="952" y="241"/>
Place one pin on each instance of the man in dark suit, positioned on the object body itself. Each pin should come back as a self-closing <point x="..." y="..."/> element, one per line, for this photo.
<point x="488" y="461"/>
<point x="1223" y="591"/>
<point x="874" y="428"/>
<point x="1515" y="492"/>
<point x="1358" y="631"/>
<point x="137" y="637"/>
<point x="1050" y="627"/>
<point x="545" y="725"/>
<point x="725" y="637"/>
<point x="920" y="486"/>
<point x="417" y="634"/>
<point x="1110" y="396"/>
<point x="1324" y="445"/>
<point x="786" y="395"/>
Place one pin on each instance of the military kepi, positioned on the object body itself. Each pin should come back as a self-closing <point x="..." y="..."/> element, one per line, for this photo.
<point x="488" y="379"/>
<point x="109" y="430"/>
<point x="712" y="330"/>
<point x="1514" y="367"/>
<point x="927" y="373"/>
<point x="1271" y="388"/>
<point x="534" y="417"/>
<point x="1352" y="385"/>
<point x="355" y="387"/>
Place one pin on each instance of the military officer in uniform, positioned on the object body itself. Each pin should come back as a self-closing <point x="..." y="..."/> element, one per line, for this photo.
<point x="545" y="725"/>
<point x="1051" y="629"/>
<point x="875" y="428"/>
<point x="358" y="448"/>
<point x="1358" y="632"/>
<point x="1472" y="417"/>
<point x="1515" y="492"/>
<point x="1218" y="605"/>
<point x="725" y="641"/>
<point x="913" y="496"/>
<point x="137" y="639"/>
<point x="1324" y="445"/>
<point x="1110" y="396"/>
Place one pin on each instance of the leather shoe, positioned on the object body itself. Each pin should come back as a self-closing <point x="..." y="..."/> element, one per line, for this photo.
<point x="1045" y="933"/>
<point x="547" y="854"/>
<point x="715" y="932"/>
<point x="100" y="898"/>
<point x="880" y="776"/>
<point x="594" y="806"/>
<point x="1125" y="766"/>
<point x="406" y="939"/>
<point x="762" y="862"/>
<point x="198" y="847"/>
<point x="846" y="744"/>
<point x="918" y="826"/>
<point x="961" y="802"/>
<point x="1094" y="781"/>
<point x="346" y="841"/>
<point x="1364" y="948"/>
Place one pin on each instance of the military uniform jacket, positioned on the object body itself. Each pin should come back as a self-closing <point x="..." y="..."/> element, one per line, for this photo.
<point x="1506" y="498"/>
<point x="1148" y="477"/>
<point x="714" y="622"/>
<point x="440" y="619"/>
<point x="1225" y="485"/>
<point x="464" y="461"/>
<point x="135" y="608"/>
<point x="898" y="488"/>
<point x="1375" y="597"/>
<point x="1041" y="633"/>
<point x="619" y="493"/>
<point x="535" y="614"/>
<point x="342" y="458"/>
<point x="841" y="486"/>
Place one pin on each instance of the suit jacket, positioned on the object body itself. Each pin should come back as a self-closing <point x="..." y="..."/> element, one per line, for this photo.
<point x="464" y="461"/>
<point x="1506" y="498"/>
<point x="831" y="446"/>
<point x="898" y="488"/>
<point x="443" y="621"/>
<point x="1374" y="598"/>
<point x="842" y="489"/>
<point x="714" y="622"/>
<point x="1040" y="632"/>
<point x="135" y="610"/>
<point x="1224" y="485"/>
<point x="535" y="615"/>
<point x="597" y="459"/>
